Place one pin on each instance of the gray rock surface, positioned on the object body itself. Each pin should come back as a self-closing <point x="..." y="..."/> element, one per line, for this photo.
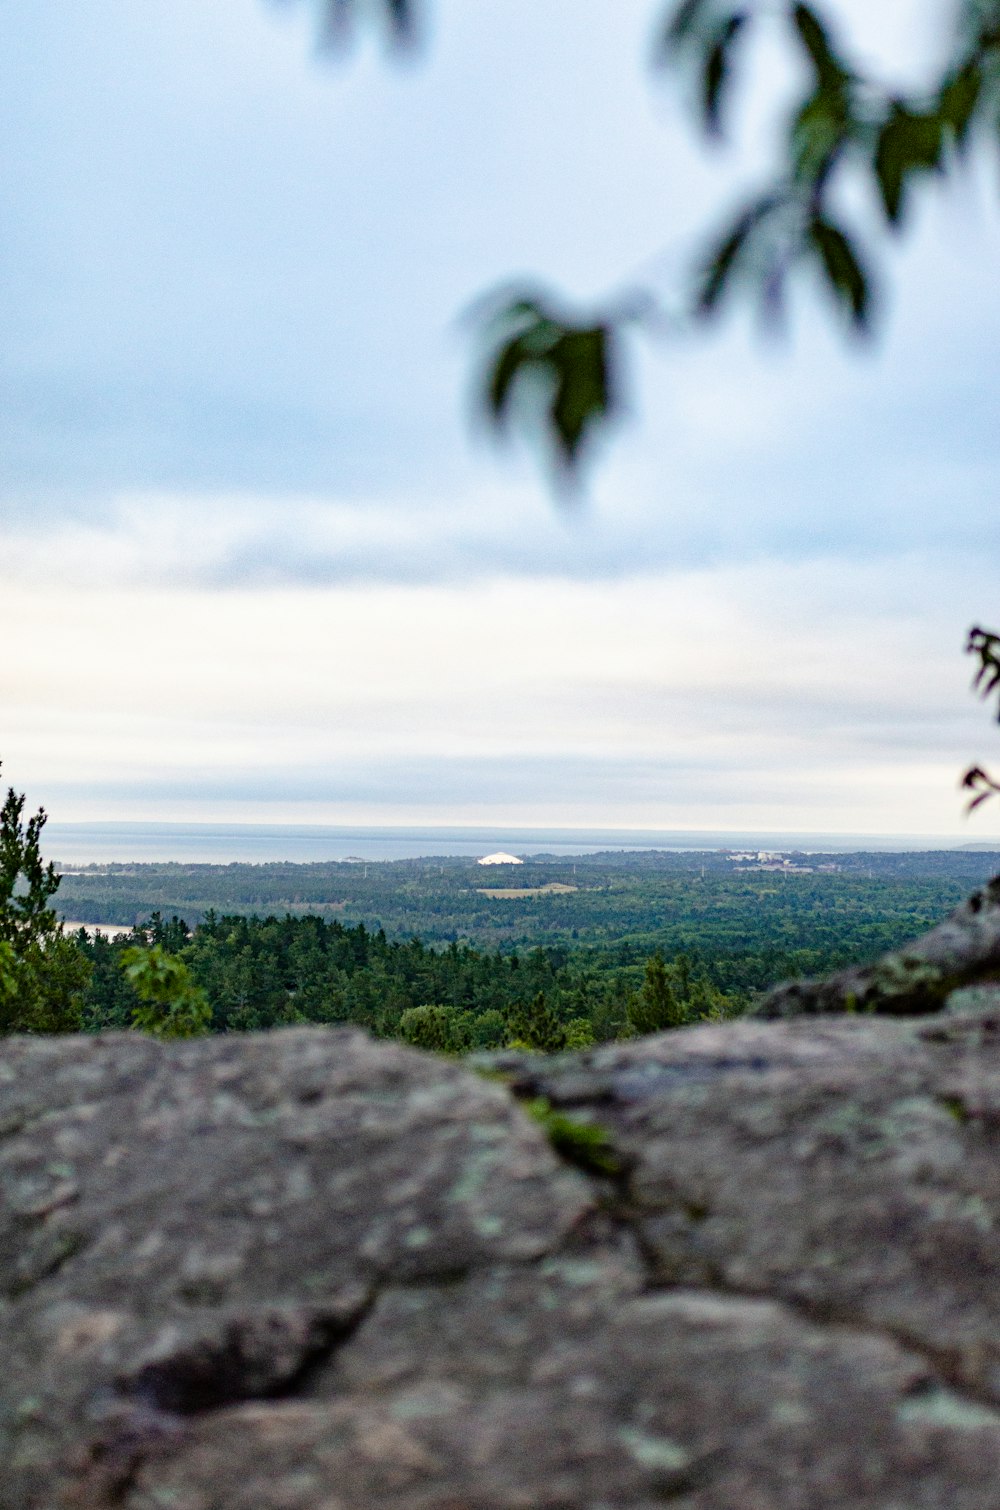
<point x="962" y="951"/>
<point x="306" y="1271"/>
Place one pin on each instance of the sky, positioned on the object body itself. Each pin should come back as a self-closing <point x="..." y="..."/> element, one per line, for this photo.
<point x="259" y="560"/>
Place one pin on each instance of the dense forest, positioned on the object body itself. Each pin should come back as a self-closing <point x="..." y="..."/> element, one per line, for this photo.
<point x="550" y="953"/>
<point x="674" y="900"/>
<point x="267" y="972"/>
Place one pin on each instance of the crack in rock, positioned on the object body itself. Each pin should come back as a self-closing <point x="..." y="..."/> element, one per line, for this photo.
<point x="259" y="1354"/>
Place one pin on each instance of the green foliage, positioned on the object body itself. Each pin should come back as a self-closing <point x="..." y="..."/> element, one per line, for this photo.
<point x="42" y="974"/>
<point x="488" y="1030"/>
<point x="171" y="1005"/>
<point x="676" y="994"/>
<point x="437" y="1029"/>
<point x="51" y="977"/>
<point x="579" y="1033"/>
<point x="845" y="126"/>
<point x="563" y="371"/>
<point x="702" y="38"/>
<point x="534" y="1025"/>
<point x="9" y="980"/>
<point x="26" y="882"/>
<point x="8" y="973"/>
<point x="540" y="360"/>
<point x="585" y="1144"/>
<point x="656" y="1007"/>
<point x="725" y="931"/>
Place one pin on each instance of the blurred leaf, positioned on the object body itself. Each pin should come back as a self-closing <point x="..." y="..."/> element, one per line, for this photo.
<point x="340" y="19"/>
<point x="723" y="263"/>
<point x="982" y="784"/>
<point x="170" y="1005"/>
<point x="684" y="22"/>
<point x="958" y="98"/>
<point x="819" y="131"/>
<point x="908" y="143"/>
<point x="402" y="17"/>
<point x="985" y="645"/>
<point x="561" y="373"/>
<point x="553" y="370"/>
<point x="717" y="71"/>
<point x="831" y="73"/>
<point x="706" y="32"/>
<point x="979" y="25"/>
<point x="844" y="273"/>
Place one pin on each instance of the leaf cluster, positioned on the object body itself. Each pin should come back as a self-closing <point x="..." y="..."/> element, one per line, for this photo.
<point x="657" y="1006"/>
<point x="846" y="126"/>
<point x="984" y="644"/>
<point x="171" y="1005"/>
<point x="434" y="1028"/>
<point x="559" y="369"/>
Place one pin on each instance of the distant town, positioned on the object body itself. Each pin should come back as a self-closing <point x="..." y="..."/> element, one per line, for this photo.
<point x="788" y="861"/>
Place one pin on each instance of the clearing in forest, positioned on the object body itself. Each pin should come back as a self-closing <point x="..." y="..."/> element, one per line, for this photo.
<point x="554" y="888"/>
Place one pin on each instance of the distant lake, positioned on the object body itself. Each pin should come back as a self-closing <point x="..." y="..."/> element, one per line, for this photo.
<point x="225" y="843"/>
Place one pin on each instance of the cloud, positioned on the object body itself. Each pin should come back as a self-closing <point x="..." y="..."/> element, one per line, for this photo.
<point x="771" y="694"/>
<point x="235" y="272"/>
<point x="250" y="560"/>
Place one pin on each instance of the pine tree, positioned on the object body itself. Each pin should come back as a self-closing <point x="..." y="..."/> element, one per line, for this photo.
<point x="535" y="1026"/>
<point x="42" y="973"/>
<point x="656" y="1007"/>
<point x="26" y="882"/>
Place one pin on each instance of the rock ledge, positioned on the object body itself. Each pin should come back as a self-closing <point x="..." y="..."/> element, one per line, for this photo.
<point x="306" y="1271"/>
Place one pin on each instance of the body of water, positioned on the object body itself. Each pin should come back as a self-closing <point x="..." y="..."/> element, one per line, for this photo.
<point x="226" y="843"/>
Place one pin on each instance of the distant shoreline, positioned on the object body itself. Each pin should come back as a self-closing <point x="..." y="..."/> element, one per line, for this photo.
<point x="109" y="930"/>
<point x="77" y="844"/>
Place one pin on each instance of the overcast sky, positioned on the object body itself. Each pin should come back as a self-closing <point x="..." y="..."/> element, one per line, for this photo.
<point x="256" y="564"/>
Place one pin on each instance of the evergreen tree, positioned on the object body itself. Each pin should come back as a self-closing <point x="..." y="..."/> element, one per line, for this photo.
<point x="42" y="973"/>
<point x="656" y="1007"/>
<point x="535" y="1026"/>
<point x="26" y="882"/>
<point x="110" y="999"/>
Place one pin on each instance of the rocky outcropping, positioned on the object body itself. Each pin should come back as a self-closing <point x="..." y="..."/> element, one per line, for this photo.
<point x="751" y="1266"/>
<point x="963" y="950"/>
